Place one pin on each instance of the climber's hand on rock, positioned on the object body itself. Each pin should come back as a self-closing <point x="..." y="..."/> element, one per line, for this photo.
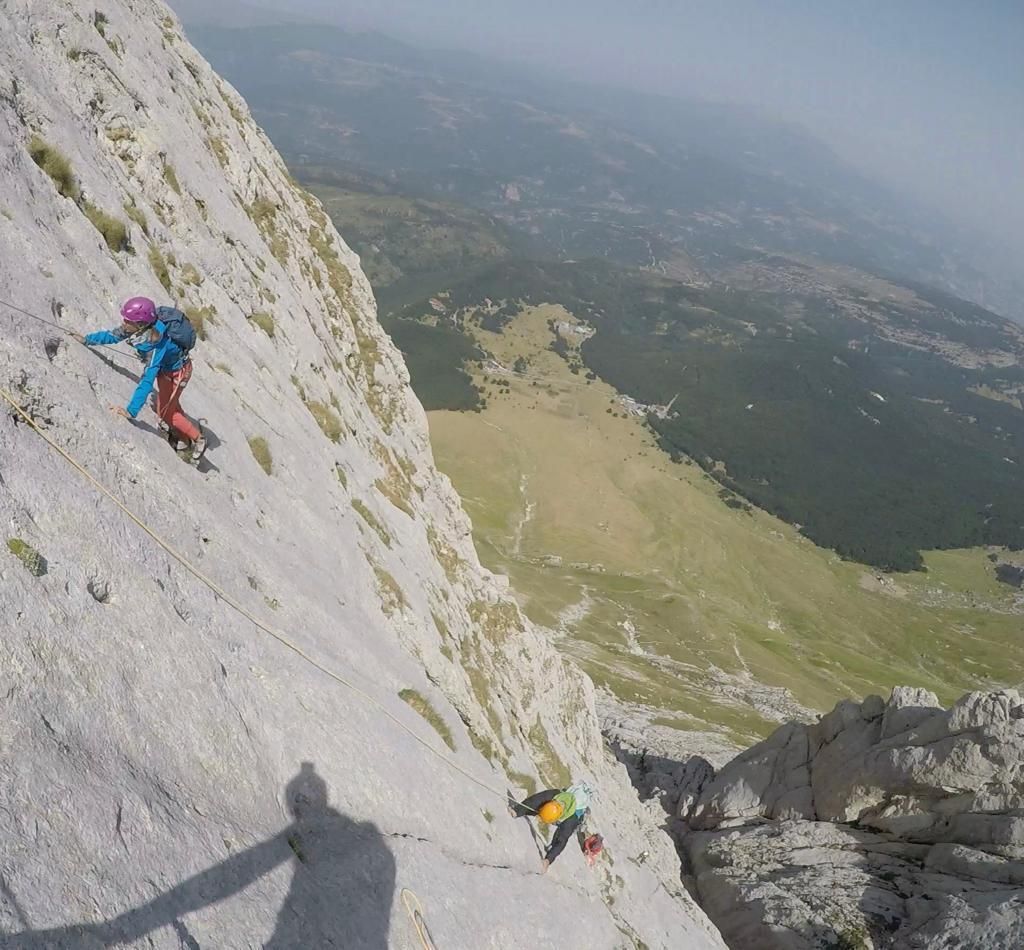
<point x="78" y="338"/>
<point x="120" y="411"/>
<point x="544" y="865"/>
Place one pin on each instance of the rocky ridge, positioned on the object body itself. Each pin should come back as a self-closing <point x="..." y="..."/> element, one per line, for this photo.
<point x="169" y="775"/>
<point x="886" y="824"/>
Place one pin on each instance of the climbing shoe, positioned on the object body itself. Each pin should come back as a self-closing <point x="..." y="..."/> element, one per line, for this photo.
<point x="176" y="441"/>
<point x="198" y="448"/>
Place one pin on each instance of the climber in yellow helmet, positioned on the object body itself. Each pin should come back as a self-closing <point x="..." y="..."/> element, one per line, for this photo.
<point x="566" y="808"/>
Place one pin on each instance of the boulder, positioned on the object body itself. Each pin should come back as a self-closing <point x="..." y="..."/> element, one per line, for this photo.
<point x="896" y="825"/>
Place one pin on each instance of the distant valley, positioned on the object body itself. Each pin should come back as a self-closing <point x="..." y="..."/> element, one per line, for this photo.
<point x="680" y="187"/>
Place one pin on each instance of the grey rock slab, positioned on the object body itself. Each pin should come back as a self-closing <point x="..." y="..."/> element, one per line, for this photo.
<point x="906" y="708"/>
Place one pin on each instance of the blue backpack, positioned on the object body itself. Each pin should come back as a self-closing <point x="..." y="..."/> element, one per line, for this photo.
<point x="179" y="331"/>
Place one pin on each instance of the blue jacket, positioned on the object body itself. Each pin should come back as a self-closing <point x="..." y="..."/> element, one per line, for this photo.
<point x="164" y="356"/>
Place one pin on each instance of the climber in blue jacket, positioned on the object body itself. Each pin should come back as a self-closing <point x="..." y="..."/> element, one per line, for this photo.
<point x="168" y="365"/>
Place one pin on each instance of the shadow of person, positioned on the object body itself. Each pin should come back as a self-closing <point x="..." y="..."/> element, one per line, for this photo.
<point x="341" y="890"/>
<point x="213" y="442"/>
<point x="122" y="364"/>
<point x="212" y="439"/>
<point x="344" y="878"/>
<point x="146" y="427"/>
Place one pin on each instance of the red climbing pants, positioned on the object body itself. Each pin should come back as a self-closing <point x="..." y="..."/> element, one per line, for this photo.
<point x="169" y="387"/>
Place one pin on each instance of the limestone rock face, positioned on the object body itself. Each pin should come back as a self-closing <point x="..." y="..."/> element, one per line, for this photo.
<point x="884" y="824"/>
<point x="170" y="775"/>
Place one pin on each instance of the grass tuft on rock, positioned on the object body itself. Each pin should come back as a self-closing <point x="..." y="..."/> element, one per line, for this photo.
<point x="552" y="769"/>
<point x="236" y="113"/>
<point x="219" y="150"/>
<point x="483" y="745"/>
<point x="201" y="319"/>
<point x="338" y="275"/>
<point x="261" y="452"/>
<point x="56" y="165"/>
<point x="171" y="177"/>
<point x="136" y="214"/>
<point x="118" y="134"/>
<point x="445" y="555"/>
<point x="388" y="489"/>
<point x="328" y="420"/>
<point x="159" y="265"/>
<point x="265" y="322"/>
<point x="421" y="704"/>
<point x="853" y="938"/>
<point x="392" y="597"/>
<point x="32" y="560"/>
<point x="524" y="781"/>
<point x="113" y="230"/>
<point x="498" y="621"/>
<point x="263" y="213"/>
<point x="371" y="519"/>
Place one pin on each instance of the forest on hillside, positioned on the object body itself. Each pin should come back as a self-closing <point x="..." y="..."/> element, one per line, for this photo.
<point x="875" y="449"/>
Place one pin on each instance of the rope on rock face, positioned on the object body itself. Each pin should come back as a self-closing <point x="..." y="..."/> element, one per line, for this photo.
<point x="32" y="316"/>
<point x="415" y="911"/>
<point x="234" y="604"/>
<point x="47" y="323"/>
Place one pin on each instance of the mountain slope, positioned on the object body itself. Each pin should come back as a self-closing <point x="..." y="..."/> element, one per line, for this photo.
<point x="171" y="776"/>
<point x="409" y="245"/>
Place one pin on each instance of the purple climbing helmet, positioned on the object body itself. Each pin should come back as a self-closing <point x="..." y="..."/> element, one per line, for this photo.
<point x="139" y="310"/>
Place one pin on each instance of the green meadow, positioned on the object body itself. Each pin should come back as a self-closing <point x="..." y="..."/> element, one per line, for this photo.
<point x="722" y="618"/>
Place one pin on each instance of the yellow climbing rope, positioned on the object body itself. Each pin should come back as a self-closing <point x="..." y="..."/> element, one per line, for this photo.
<point x="234" y="604"/>
<point x="415" y="911"/>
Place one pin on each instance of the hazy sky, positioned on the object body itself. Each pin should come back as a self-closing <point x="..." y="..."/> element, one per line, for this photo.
<point x="926" y="94"/>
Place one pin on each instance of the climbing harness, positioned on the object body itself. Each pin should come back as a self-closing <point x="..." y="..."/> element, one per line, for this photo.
<point x="415" y="910"/>
<point x="234" y="604"/>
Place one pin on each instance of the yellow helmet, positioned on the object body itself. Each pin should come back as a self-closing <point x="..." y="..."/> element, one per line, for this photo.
<point x="550" y="812"/>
